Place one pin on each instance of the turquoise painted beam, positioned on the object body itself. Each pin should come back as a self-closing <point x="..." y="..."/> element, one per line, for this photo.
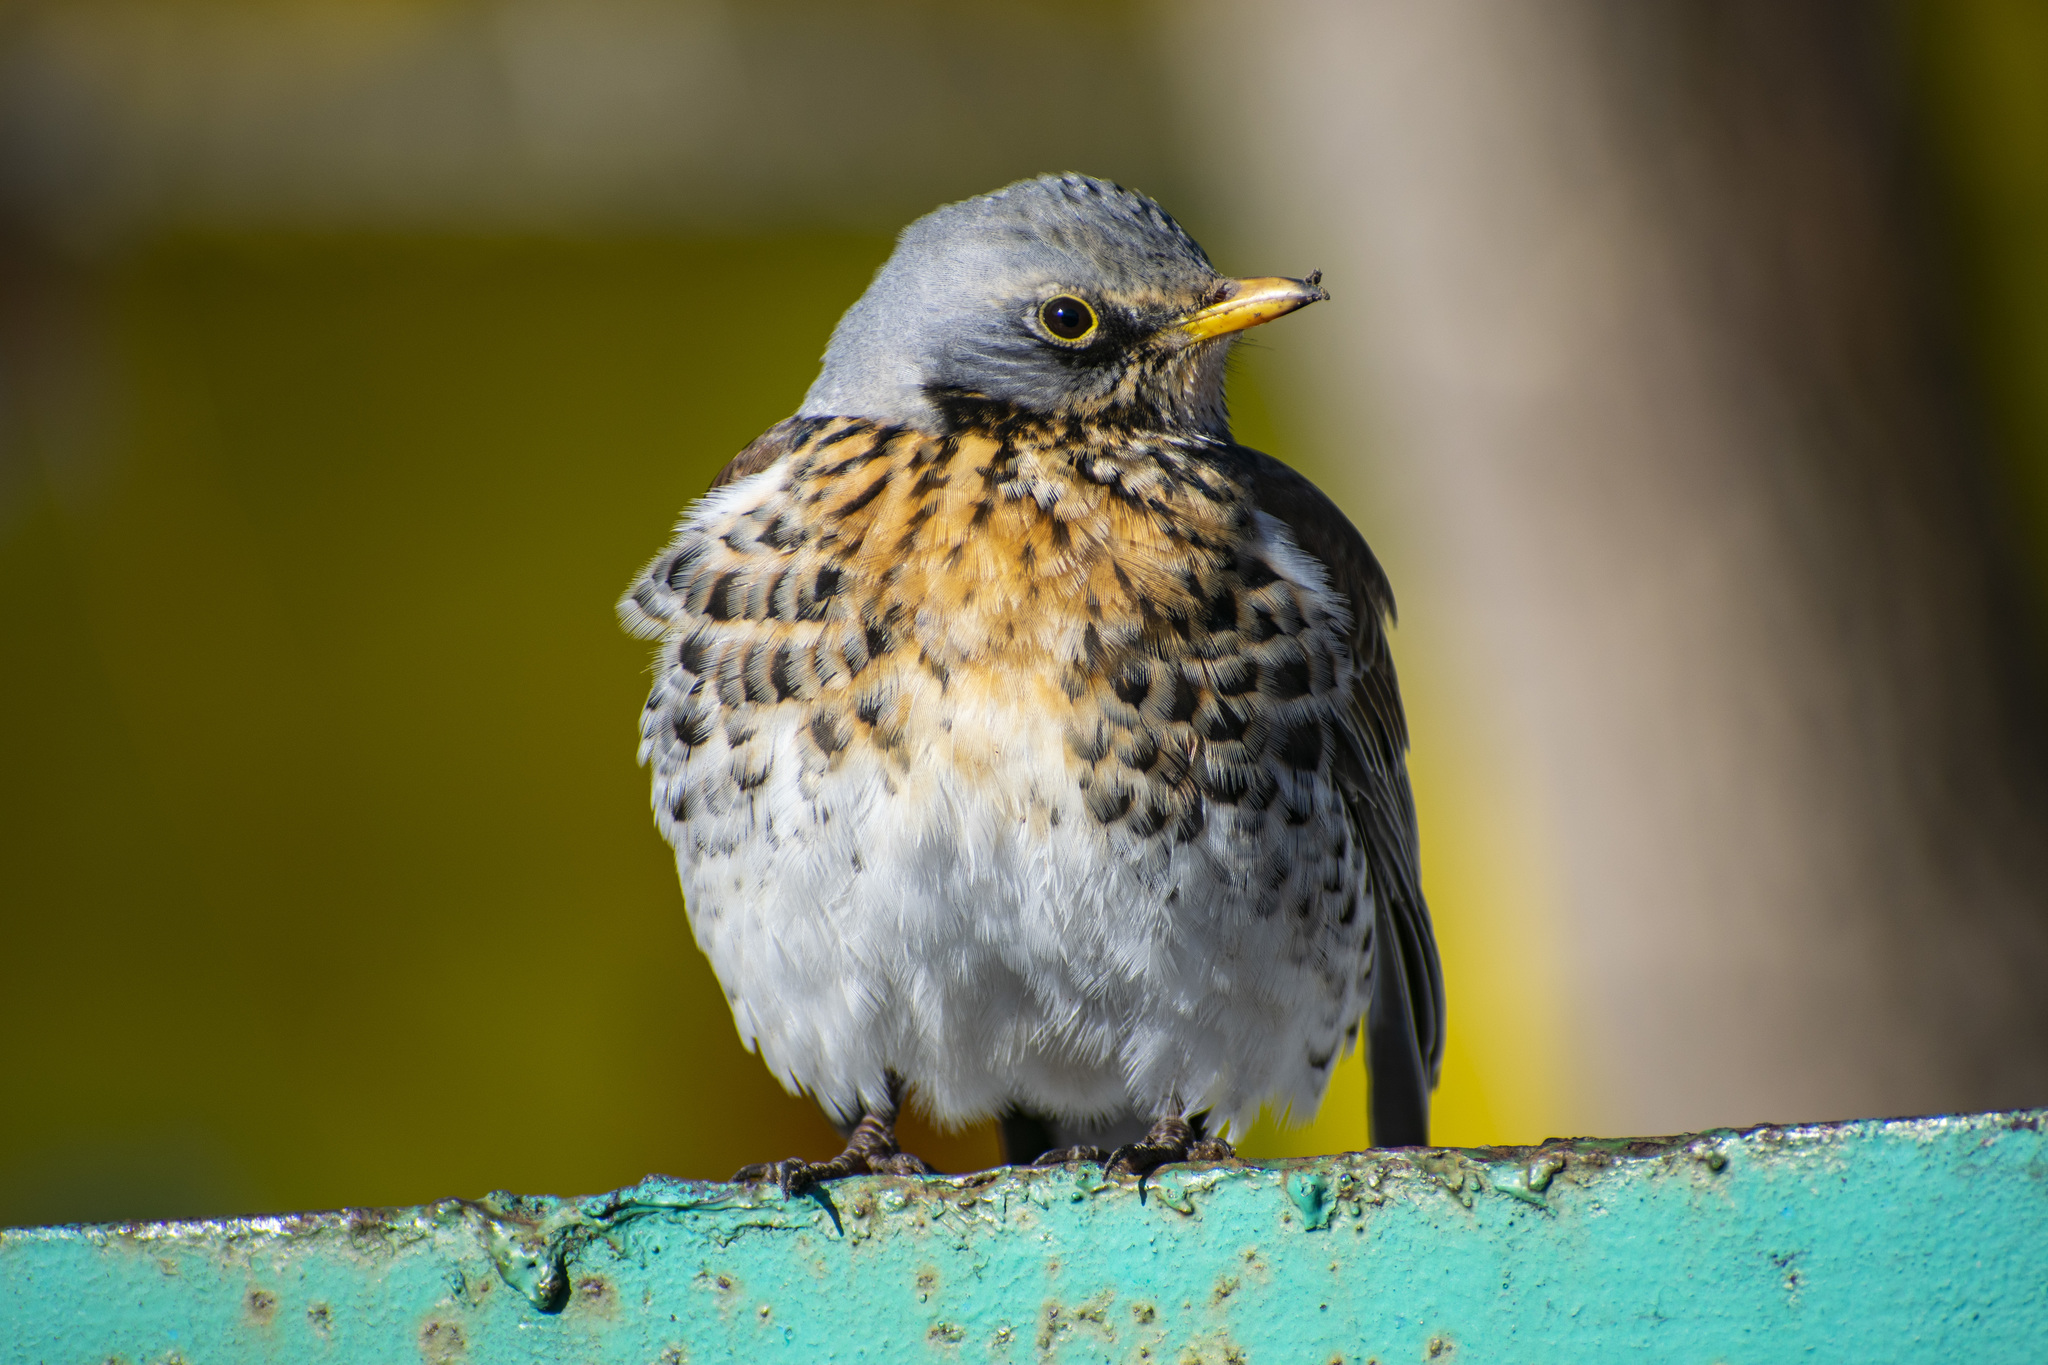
<point x="1910" y="1240"/>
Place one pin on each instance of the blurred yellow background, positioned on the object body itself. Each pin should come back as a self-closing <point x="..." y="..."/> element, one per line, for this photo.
<point x="326" y="871"/>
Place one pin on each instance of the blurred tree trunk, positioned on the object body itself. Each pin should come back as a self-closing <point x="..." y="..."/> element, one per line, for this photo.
<point x="1637" y="317"/>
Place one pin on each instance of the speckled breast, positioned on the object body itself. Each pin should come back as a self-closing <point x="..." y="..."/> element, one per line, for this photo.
<point x="888" y="580"/>
<point x="1053" y="626"/>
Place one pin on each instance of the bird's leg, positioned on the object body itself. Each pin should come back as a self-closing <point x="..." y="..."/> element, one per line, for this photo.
<point x="1171" y="1139"/>
<point x="870" y="1150"/>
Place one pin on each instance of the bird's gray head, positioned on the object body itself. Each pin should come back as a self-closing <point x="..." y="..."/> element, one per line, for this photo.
<point x="1061" y="295"/>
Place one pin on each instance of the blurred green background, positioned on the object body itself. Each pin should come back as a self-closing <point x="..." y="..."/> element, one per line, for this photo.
<point x="326" y="871"/>
<point x="331" y="868"/>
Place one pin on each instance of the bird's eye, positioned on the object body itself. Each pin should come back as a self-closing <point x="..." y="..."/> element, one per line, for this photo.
<point x="1068" y="318"/>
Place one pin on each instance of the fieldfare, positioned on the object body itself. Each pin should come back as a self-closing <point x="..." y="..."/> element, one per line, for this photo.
<point x="1025" y="741"/>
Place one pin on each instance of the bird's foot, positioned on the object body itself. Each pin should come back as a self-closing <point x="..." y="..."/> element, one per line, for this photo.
<point x="870" y="1150"/>
<point x="900" y="1163"/>
<point x="1170" y="1140"/>
<point x="793" y="1175"/>
<point x="1067" y="1156"/>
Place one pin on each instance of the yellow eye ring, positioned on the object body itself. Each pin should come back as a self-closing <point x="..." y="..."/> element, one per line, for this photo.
<point x="1068" y="319"/>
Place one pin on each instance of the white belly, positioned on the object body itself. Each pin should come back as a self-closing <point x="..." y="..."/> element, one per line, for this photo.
<point x="966" y="925"/>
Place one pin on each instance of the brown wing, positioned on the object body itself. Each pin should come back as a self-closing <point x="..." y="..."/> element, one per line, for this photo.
<point x="648" y="608"/>
<point x="1405" y="1023"/>
<point x="765" y="449"/>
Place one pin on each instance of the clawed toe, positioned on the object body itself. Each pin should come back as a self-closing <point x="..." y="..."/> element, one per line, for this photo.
<point x="792" y="1175"/>
<point x="902" y="1163"/>
<point x="1067" y="1156"/>
<point x="1142" y="1158"/>
<point x="796" y="1176"/>
<point x="764" y="1170"/>
<point x="871" y="1150"/>
<point x="1170" y="1140"/>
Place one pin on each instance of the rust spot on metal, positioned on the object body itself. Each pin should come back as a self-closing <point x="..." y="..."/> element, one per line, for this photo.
<point x="320" y="1317"/>
<point x="594" y="1294"/>
<point x="441" y="1343"/>
<point x="1049" y="1328"/>
<point x="1092" y="1314"/>
<point x="261" y="1306"/>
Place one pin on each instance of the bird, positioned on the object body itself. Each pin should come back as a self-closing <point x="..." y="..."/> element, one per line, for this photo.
<point x="1028" y="745"/>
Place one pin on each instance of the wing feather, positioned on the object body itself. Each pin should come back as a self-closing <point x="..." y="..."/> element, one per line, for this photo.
<point x="765" y="449"/>
<point x="1405" y="1022"/>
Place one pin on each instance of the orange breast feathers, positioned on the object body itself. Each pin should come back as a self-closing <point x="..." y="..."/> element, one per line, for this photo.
<point x="1010" y="553"/>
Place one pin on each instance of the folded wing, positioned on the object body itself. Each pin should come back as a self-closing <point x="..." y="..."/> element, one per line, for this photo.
<point x="1405" y="1022"/>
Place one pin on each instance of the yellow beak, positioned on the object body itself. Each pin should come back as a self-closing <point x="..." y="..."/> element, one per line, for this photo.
<point x="1256" y="301"/>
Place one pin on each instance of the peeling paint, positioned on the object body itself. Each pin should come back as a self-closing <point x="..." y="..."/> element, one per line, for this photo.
<point x="1908" y="1240"/>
